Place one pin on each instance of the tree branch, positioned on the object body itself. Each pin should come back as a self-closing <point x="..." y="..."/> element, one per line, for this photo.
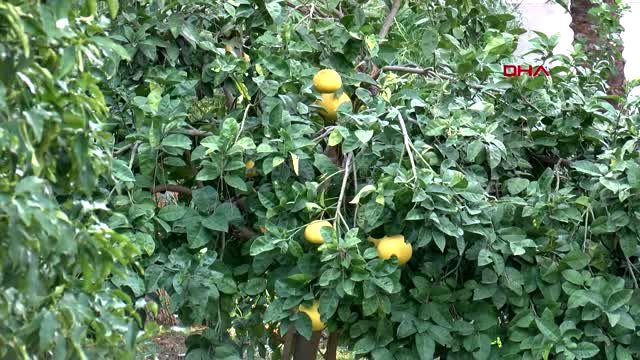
<point x="635" y="281"/>
<point x="171" y="187"/>
<point x="407" y="145"/>
<point x="408" y="69"/>
<point x="347" y="164"/>
<point x="192" y="132"/>
<point x="388" y="21"/>
<point x="124" y="149"/>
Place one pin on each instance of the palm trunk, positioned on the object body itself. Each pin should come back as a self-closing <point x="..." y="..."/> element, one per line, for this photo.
<point x="588" y="33"/>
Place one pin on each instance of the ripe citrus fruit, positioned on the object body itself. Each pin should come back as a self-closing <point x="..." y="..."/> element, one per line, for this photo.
<point x="250" y="169"/>
<point x="327" y="81"/>
<point x="394" y="245"/>
<point x="330" y="103"/>
<point x="312" y="231"/>
<point x="313" y="314"/>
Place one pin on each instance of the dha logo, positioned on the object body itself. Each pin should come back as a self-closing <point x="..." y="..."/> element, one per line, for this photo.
<point x="510" y="70"/>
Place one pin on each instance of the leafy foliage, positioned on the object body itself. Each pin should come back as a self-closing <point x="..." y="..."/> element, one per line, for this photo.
<point x="56" y="254"/>
<point x="517" y="194"/>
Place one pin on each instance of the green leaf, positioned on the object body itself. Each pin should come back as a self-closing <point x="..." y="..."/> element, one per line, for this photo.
<point x="236" y="182"/>
<point x="425" y="346"/>
<point x="121" y="171"/>
<point x="114" y="6"/>
<point x="364" y="135"/>
<point x="329" y="302"/>
<point x="619" y="299"/>
<point x="364" y="345"/>
<point x="405" y="329"/>
<point x="586" y="350"/>
<point x="335" y="138"/>
<point x="107" y="43"/>
<point x="177" y="140"/>
<point x="47" y="331"/>
<point x="484" y="257"/>
<point x="303" y="325"/>
<point x="573" y="276"/>
<point x="261" y="244"/>
<point x="255" y="286"/>
<point x="216" y="222"/>
<point x="548" y="327"/>
<point x="367" y="189"/>
<point x="587" y="167"/>
<point x="516" y="185"/>
<point x="576" y="259"/>
<point x="429" y="42"/>
<point x="473" y="150"/>
<point x="172" y="213"/>
<point x="145" y="241"/>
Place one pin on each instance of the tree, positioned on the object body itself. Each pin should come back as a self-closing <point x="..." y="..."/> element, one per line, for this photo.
<point x="510" y="202"/>
<point x="56" y="253"/>
<point x="596" y="27"/>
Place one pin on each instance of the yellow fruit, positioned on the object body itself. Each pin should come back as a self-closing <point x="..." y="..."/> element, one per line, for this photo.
<point x="394" y="245"/>
<point x="330" y="104"/>
<point x="312" y="231"/>
<point x="313" y="314"/>
<point x="246" y="57"/>
<point x="327" y="81"/>
<point x="229" y="49"/>
<point x="249" y="164"/>
<point x="374" y="240"/>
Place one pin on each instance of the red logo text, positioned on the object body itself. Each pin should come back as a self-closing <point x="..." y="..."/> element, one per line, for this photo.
<point x="510" y="70"/>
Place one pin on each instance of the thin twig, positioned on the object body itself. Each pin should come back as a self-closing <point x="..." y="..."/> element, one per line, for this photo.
<point x="192" y="132"/>
<point x="133" y="153"/>
<point x="123" y="149"/>
<point x="407" y="69"/>
<point x="633" y="275"/>
<point x="557" y="171"/>
<point x="388" y="21"/>
<point x="171" y="187"/>
<point x="325" y="133"/>
<point x="355" y="188"/>
<point x="407" y="141"/>
<point x="244" y="118"/>
<point x="586" y="228"/>
<point x="347" y="164"/>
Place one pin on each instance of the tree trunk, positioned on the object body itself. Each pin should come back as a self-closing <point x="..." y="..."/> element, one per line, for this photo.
<point x="307" y="349"/>
<point x="587" y="32"/>
<point x="332" y="346"/>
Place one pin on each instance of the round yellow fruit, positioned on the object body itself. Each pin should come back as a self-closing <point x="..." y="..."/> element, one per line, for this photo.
<point x="394" y="245"/>
<point x="327" y="81"/>
<point x="330" y="104"/>
<point x="312" y="231"/>
<point x="313" y="314"/>
<point x="250" y="169"/>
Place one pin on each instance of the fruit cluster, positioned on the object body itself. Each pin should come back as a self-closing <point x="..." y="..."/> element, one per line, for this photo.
<point x="388" y="247"/>
<point x="328" y="82"/>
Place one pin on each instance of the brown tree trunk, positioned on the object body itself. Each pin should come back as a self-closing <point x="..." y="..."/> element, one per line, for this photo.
<point x="586" y="32"/>
<point x="307" y="349"/>
<point x="332" y="346"/>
